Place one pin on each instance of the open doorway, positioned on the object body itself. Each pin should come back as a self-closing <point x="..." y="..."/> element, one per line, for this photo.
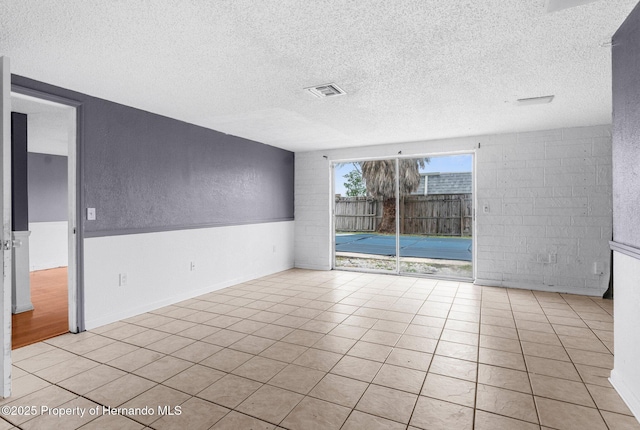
<point x="43" y="299"/>
<point x="417" y="222"/>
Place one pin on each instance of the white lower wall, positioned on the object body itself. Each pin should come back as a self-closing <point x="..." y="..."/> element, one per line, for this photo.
<point x="548" y="193"/>
<point x="48" y="245"/>
<point x="157" y="266"/>
<point x="625" y="376"/>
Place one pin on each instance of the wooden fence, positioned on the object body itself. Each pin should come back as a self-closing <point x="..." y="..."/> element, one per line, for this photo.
<point x="434" y="215"/>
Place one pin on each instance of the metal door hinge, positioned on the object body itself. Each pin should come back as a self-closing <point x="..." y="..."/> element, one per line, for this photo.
<point x="7" y="245"/>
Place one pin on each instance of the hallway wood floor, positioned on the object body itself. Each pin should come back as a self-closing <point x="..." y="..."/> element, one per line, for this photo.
<point x="49" y="317"/>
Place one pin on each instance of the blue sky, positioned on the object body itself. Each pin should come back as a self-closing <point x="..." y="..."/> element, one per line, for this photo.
<point x="447" y="163"/>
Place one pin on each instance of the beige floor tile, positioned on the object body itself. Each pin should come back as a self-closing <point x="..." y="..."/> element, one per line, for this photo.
<point x="119" y="391"/>
<point x="170" y="344"/>
<point x="449" y="389"/>
<point x="381" y="337"/>
<point x="561" y="389"/>
<point x="348" y="331"/>
<point x="359" y="421"/>
<point x="195" y="414"/>
<point x="433" y="414"/>
<point x="620" y="422"/>
<point x="163" y="368"/>
<point x="457" y="350"/>
<point x="387" y="403"/>
<point x="226" y="360"/>
<point x="589" y="358"/>
<point x="501" y="377"/>
<point x="297" y="378"/>
<point x="224" y="337"/>
<point x="608" y="399"/>
<point x="271" y="404"/>
<point x="252" y="344"/>
<point x="265" y="316"/>
<point x="423" y="331"/>
<point x="494" y="330"/>
<point x="260" y="369"/>
<point x="417" y="343"/>
<point x="335" y="344"/>
<point x="303" y="337"/>
<point x="501" y="359"/>
<point x="390" y="326"/>
<point x="311" y="414"/>
<point x="506" y="402"/>
<point x="283" y="351"/>
<point x="545" y="351"/>
<point x="460" y="337"/>
<point x="113" y="422"/>
<point x="338" y="389"/>
<point x="318" y="359"/>
<point x="197" y="351"/>
<point x="50" y="397"/>
<point x="470" y="327"/>
<point x="586" y="344"/>
<point x="135" y="360"/>
<point x="42" y="361"/>
<point x="93" y="378"/>
<point x="594" y="375"/>
<point x="318" y="326"/>
<point x="124" y="332"/>
<point x="549" y="367"/>
<point x="110" y="352"/>
<point x="500" y="343"/>
<point x="72" y="421"/>
<point x="408" y="358"/>
<point x="370" y="351"/>
<point x="176" y="326"/>
<point x="230" y="390"/>
<point x="583" y="332"/>
<point x="357" y="368"/>
<point x="147" y="337"/>
<point x="453" y="367"/>
<point x="400" y="378"/>
<point x="273" y="331"/>
<point x="64" y="370"/>
<point x="567" y="416"/>
<point x="488" y="421"/>
<point x="236" y="421"/>
<point x="429" y="321"/>
<point x="158" y="396"/>
<point x="23" y="386"/>
<point x="194" y="379"/>
<point x="247" y="326"/>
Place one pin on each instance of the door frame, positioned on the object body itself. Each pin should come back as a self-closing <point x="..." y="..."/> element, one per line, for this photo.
<point x="75" y="284"/>
<point x="397" y="157"/>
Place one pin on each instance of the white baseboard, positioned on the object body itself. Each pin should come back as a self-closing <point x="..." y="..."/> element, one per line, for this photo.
<point x="538" y="287"/>
<point x="627" y="395"/>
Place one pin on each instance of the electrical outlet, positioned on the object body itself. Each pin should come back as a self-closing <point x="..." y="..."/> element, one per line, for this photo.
<point x="122" y="280"/>
<point x="598" y="268"/>
<point x="192" y="266"/>
<point x="485" y="208"/>
<point x="91" y="214"/>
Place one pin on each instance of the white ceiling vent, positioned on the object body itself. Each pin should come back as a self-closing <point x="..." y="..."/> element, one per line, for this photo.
<point x="326" y="90"/>
<point x="556" y="5"/>
<point x="534" y="101"/>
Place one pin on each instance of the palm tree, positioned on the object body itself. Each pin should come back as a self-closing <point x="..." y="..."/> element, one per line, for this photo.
<point x="381" y="184"/>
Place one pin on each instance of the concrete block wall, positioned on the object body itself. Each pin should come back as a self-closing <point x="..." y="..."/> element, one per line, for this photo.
<point x="543" y="205"/>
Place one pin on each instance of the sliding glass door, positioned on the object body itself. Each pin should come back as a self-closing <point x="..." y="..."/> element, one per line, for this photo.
<point x="419" y="221"/>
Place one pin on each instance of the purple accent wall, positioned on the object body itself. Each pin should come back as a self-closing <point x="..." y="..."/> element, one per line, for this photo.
<point x="144" y="172"/>
<point x="626" y="131"/>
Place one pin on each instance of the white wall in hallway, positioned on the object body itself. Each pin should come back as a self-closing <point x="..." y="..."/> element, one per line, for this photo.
<point x="157" y="266"/>
<point x="549" y="199"/>
<point x="48" y="245"/>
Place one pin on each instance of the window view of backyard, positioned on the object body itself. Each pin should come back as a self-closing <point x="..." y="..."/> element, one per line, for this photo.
<point x="434" y="215"/>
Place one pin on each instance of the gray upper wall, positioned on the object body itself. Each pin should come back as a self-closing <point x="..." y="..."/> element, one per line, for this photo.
<point x="48" y="189"/>
<point x="144" y="172"/>
<point x="626" y="132"/>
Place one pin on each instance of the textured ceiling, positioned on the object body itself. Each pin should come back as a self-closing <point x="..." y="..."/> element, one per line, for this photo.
<point x="412" y="69"/>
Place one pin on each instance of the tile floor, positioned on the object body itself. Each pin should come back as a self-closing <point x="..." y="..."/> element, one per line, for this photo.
<point x="332" y="350"/>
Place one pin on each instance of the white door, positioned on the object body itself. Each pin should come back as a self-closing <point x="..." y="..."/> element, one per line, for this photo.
<point x="5" y="211"/>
